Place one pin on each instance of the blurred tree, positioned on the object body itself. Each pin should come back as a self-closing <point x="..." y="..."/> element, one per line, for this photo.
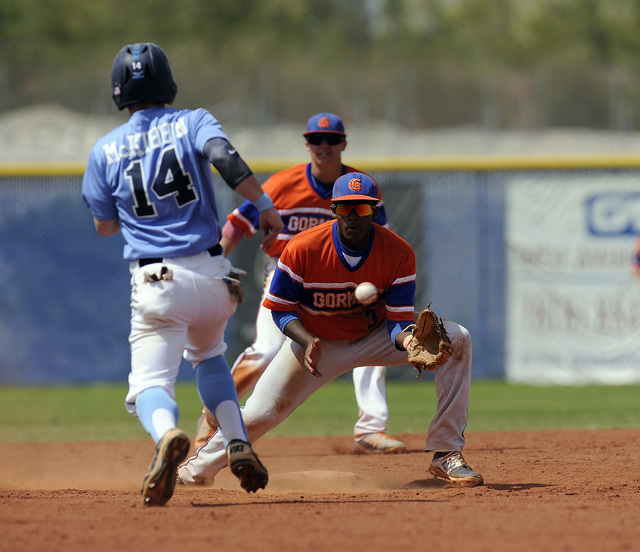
<point x="416" y="63"/>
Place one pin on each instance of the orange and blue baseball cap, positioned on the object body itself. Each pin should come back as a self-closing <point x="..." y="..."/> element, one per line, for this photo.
<point x="325" y="122"/>
<point x="355" y="187"/>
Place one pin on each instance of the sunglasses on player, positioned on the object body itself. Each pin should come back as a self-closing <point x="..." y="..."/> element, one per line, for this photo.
<point x="362" y="209"/>
<point x="319" y="137"/>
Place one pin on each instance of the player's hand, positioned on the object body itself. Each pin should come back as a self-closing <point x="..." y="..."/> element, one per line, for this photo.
<point x="312" y="355"/>
<point x="271" y="225"/>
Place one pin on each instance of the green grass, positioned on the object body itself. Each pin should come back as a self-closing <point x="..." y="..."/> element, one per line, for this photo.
<point x="97" y="413"/>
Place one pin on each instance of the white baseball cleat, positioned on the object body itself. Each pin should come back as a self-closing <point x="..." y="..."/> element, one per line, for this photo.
<point x="380" y="442"/>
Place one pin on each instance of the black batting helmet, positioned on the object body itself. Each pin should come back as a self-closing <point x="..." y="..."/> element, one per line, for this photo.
<point x="142" y="73"/>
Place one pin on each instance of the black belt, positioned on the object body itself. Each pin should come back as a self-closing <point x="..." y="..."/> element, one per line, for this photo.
<point x="213" y="251"/>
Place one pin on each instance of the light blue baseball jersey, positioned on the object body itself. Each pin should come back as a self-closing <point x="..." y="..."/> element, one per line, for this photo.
<point x="152" y="175"/>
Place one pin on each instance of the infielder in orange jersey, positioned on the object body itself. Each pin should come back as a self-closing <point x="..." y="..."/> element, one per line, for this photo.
<point x="328" y="332"/>
<point x="302" y="196"/>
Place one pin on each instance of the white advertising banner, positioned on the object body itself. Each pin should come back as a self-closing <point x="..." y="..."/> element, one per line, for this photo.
<point x="573" y="304"/>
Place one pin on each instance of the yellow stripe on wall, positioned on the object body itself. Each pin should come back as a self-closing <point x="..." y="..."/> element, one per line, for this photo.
<point x="442" y="163"/>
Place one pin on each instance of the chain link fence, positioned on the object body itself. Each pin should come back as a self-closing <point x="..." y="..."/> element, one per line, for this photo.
<point x="64" y="305"/>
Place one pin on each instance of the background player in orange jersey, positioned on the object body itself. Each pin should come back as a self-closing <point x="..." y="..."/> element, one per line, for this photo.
<point x="328" y="332"/>
<point x="302" y="196"/>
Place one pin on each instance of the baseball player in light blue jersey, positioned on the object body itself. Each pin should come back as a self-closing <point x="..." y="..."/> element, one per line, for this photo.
<point x="151" y="179"/>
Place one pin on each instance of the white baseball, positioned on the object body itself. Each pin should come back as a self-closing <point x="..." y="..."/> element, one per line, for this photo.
<point x="366" y="293"/>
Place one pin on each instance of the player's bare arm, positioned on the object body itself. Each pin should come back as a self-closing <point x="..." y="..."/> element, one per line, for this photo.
<point x="310" y="343"/>
<point x="227" y="245"/>
<point x="271" y="224"/>
<point x="106" y="228"/>
<point x="403" y="339"/>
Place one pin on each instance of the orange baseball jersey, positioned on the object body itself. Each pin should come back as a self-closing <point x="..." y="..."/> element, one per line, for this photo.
<point x="301" y="201"/>
<point x="314" y="279"/>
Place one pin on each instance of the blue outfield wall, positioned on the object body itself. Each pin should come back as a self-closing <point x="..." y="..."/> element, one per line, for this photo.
<point x="465" y="260"/>
<point x="64" y="306"/>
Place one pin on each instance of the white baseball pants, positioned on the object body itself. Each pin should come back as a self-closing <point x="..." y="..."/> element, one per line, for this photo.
<point x="185" y="313"/>
<point x="369" y="381"/>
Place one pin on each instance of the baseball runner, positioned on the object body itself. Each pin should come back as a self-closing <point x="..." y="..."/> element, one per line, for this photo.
<point x="302" y="195"/>
<point x="151" y="179"/>
<point x="328" y="332"/>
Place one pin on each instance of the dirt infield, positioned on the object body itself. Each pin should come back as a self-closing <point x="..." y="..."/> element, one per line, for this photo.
<point x="557" y="490"/>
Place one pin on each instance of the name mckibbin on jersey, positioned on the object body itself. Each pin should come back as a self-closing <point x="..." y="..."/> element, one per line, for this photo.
<point x="142" y="143"/>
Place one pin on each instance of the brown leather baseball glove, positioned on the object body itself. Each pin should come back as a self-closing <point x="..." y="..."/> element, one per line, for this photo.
<point x="430" y="346"/>
<point x="235" y="285"/>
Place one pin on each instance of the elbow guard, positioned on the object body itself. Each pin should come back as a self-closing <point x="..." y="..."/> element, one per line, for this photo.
<point x="227" y="161"/>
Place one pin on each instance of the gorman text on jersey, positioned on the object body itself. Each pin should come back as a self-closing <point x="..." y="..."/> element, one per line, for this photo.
<point x="334" y="300"/>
